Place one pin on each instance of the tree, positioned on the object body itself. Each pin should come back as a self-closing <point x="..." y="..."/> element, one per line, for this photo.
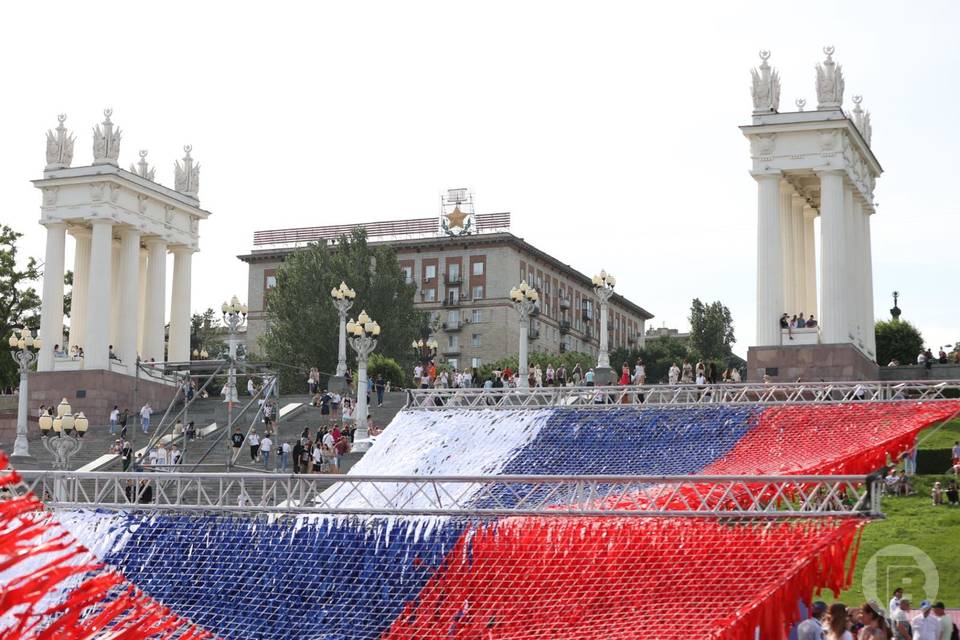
<point x="389" y="368"/>
<point x="657" y="355"/>
<point x="302" y="321"/>
<point x="19" y="302"/>
<point x="206" y="333"/>
<point x="711" y="330"/>
<point x="897" y="340"/>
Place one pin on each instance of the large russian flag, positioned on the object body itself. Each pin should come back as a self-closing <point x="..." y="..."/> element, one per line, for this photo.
<point x="526" y="577"/>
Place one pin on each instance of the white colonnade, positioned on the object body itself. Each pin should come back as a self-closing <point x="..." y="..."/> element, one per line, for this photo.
<point x="124" y="223"/>
<point x="809" y="164"/>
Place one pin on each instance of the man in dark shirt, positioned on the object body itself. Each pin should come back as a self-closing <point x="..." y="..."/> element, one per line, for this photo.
<point x="297" y="455"/>
<point x="237" y="440"/>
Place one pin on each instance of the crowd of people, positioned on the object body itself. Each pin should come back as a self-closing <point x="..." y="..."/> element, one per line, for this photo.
<point x="872" y="622"/>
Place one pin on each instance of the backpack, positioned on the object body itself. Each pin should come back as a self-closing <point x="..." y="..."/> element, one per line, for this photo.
<point x="955" y="634"/>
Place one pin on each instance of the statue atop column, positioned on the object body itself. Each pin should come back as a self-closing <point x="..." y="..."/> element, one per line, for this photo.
<point x="59" y="146"/>
<point x="187" y="176"/>
<point x="143" y="169"/>
<point x="766" y="87"/>
<point x="861" y="119"/>
<point x="829" y="83"/>
<point x="106" y="141"/>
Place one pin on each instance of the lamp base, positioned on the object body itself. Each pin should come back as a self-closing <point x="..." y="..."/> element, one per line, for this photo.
<point x="603" y="376"/>
<point x="337" y="384"/>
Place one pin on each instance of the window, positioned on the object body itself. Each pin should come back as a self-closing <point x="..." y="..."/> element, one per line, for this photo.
<point x="430" y="272"/>
<point x="454" y="363"/>
<point x="478" y="292"/>
<point x="453" y="317"/>
<point x="476" y="316"/>
<point x="407" y="274"/>
<point x="429" y="295"/>
<point x="478" y="268"/>
<point x="271" y="282"/>
<point x="475" y="340"/>
<point x="475" y="363"/>
<point x="453" y="341"/>
<point x="453" y="270"/>
<point x="453" y="294"/>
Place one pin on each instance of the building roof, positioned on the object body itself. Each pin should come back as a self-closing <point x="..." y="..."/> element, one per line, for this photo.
<point x="466" y="242"/>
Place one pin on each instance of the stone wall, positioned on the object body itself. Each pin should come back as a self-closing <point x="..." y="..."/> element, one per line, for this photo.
<point x="810" y="363"/>
<point x="919" y="372"/>
<point x="96" y="392"/>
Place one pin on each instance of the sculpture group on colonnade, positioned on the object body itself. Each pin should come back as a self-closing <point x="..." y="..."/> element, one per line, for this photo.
<point x="124" y="223"/>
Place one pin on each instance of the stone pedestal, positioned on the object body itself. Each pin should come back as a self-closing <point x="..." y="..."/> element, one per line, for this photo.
<point x="810" y="363"/>
<point x="95" y="392"/>
<point x="603" y="376"/>
<point x="337" y="384"/>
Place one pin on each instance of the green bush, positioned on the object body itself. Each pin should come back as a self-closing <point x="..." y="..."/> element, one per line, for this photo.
<point x="389" y="368"/>
<point x="897" y="340"/>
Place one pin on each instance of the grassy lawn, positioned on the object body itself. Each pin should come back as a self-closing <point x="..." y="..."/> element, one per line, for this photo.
<point x="943" y="438"/>
<point x="912" y="520"/>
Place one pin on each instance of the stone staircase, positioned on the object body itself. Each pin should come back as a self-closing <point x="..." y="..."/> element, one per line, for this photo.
<point x="209" y="417"/>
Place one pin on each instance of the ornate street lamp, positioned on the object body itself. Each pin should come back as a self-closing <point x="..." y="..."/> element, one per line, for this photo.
<point x="603" y="285"/>
<point x="234" y="316"/>
<point x="200" y="354"/>
<point x="24" y="349"/>
<point x="364" y="332"/>
<point x="62" y="435"/>
<point x="343" y="297"/>
<point x="425" y="350"/>
<point x="524" y="299"/>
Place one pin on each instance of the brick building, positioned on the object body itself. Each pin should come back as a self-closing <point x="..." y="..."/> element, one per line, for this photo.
<point x="463" y="280"/>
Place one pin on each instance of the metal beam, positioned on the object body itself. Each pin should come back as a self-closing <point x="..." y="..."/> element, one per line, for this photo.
<point x="764" y="497"/>
<point x="681" y="394"/>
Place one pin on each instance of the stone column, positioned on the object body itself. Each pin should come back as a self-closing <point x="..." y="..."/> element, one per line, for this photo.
<point x="833" y="259"/>
<point x="809" y="262"/>
<point x="798" y="270"/>
<point x="788" y="246"/>
<point x="852" y="275"/>
<point x="115" y="296"/>
<point x="870" y="335"/>
<point x="98" y="296"/>
<point x="769" y="259"/>
<point x="859" y="268"/>
<point x="142" y="299"/>
<point x="154" y="309"/>
<point x="78" y="297"/>
<point x="179" y="347"/>
<point x="51" y="311"/>
<point x="129" y="276"/>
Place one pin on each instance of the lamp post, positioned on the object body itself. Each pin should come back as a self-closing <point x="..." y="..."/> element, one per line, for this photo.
<point x="363" y="338"/>
<point x="603" y="285"/>
<point x="200" y="354"/>
<point x="24" y="349"/>
<point x="234" y="316"/>
<point x="62" y="435"/>
<point x="425" y="350"/>
<point x="524" y="299"/>
<point x="342" y="297"/>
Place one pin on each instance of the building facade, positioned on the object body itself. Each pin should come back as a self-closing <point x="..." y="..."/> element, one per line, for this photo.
<point x="463" y="281"/>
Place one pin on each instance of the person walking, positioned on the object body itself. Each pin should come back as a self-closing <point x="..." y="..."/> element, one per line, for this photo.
<point x="114" y="420"/>
<point x="145" y="412"/>
<point x="283" y="456"/>
<point x="126" y="454"/>
<point x="236" y="439"/>
<point x="254" y="441"/>
<point x="124" y="417"/>
<point x="266" y="445"/>
<point x="380" y="386"/>
<point x="674" y="374"/>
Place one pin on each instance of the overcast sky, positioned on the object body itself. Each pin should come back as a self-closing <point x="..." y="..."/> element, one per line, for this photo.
<point x="609" y="130"/>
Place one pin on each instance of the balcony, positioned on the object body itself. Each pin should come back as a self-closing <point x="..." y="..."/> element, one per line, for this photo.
<point x="564" y="327"/>
<point x="564" y="303"/>
<point x="451" y="351"/>
<point x="587" y="315"/>
<point x="588" y="331"/>
<point x="451" y="301"/>
<point x="533" y="333"/>
<point x="452" y="325"/>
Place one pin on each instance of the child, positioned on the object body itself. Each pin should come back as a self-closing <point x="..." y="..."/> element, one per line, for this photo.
<point x="937" y="494"/>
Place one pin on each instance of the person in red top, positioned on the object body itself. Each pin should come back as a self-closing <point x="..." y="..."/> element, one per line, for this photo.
<point x="625" y="374"/>
<point x="335" y="433"/>
<point x="507" y="374"/>
<point x="432" y="373"/>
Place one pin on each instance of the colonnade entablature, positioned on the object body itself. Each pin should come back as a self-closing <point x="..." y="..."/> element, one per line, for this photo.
<point x="811" y="164"/>
<point x="123" y="223"/>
